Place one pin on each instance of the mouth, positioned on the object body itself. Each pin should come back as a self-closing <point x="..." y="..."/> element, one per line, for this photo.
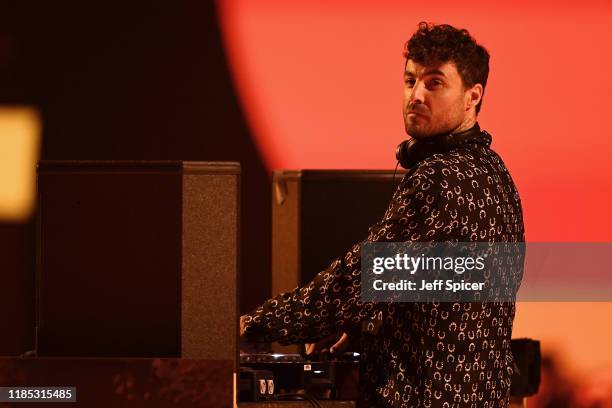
<point x="413" y="113"/>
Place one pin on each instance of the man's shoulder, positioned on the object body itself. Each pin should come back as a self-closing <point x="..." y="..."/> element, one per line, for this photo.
<point x="441" y="166"/>
<point x="442" y="171"/>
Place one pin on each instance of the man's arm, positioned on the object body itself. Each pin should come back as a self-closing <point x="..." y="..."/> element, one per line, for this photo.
<point x="332" y="303"/>
<point x="329" y="303"/>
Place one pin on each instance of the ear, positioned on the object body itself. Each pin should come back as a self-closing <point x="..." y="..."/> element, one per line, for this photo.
<point x="473" y="96"/>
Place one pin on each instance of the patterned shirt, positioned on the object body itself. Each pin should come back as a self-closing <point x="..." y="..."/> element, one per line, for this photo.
<point x="419" y="354"/>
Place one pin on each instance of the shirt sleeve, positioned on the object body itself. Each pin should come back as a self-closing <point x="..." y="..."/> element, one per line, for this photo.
<point x="331" y="301"/>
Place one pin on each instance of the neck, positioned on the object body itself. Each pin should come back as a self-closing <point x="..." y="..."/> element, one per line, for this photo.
<point x="467" y="123"/>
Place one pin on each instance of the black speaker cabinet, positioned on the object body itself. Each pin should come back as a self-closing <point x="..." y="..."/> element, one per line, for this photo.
<point x="17" y="268"/>
<point x="138" y="259"/>
<point x="317" y="215"/>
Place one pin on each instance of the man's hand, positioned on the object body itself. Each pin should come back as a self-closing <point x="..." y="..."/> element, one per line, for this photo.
<point x="246" y="346"/>
<point x="242" y="327"/>
<point x="334" y="344"/>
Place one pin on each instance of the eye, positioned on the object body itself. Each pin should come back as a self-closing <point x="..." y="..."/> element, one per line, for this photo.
<point x="434" y="83"/>
<point x="409" y="82"/>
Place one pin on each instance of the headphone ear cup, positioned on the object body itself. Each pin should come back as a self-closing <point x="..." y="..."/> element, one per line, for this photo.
<point x="405" y="155"/>
<point x="400" y="154"/>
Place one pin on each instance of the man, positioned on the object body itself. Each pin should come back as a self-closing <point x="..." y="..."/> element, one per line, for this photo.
<point x="423" y="354"/>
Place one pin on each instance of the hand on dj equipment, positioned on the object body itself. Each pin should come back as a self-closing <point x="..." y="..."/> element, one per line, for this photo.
<point x="334" y="344"/>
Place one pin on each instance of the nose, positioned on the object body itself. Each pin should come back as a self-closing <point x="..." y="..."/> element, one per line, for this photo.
<point x="417" y="93"/>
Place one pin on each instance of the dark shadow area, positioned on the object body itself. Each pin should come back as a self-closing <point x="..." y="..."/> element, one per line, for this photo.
<point x="126" y="81"/>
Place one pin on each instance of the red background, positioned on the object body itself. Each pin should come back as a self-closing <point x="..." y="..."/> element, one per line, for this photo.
<point x="320" y="84"/>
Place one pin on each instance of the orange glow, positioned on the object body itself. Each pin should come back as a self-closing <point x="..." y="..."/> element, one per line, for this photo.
<point x="19" y="150"/>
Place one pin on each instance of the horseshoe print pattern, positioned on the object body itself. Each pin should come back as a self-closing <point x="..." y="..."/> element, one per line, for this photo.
<point x="439" y="355"/>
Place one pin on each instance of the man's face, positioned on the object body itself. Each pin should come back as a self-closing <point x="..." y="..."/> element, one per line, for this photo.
<point x="435" y="100"/>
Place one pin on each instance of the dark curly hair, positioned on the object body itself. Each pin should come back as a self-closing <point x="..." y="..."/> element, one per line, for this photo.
<point x="439" y="43"/>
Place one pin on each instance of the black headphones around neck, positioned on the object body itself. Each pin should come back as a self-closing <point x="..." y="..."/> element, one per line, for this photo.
<point x="412" y="151"/>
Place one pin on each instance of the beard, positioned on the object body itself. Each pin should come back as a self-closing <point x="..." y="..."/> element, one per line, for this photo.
<point x="425" y="129"/>
<point x="427" y="125"/>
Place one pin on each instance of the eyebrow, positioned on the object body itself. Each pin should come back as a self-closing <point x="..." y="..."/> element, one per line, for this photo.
<point x="430" y="72"/>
